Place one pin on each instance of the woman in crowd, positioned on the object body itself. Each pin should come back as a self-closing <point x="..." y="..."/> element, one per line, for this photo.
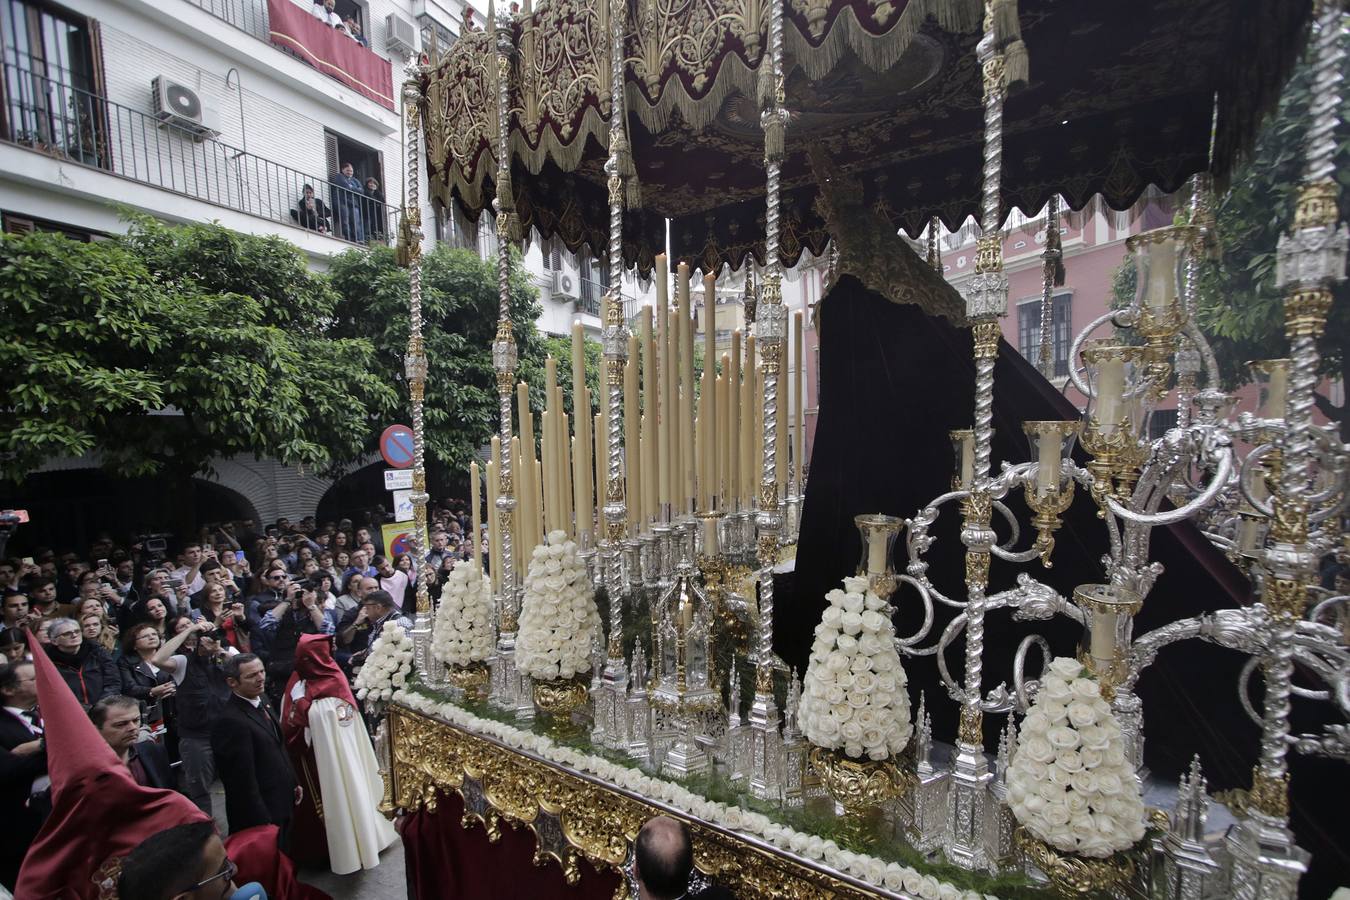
<point x="87" y="668"/>
<point x="326" y="564"/>
<point x="156" y="613"/>
<point x="342" y="560"/>
<point x="149" y="683"/>
<point x="341" y="541"/>
<point x="96" y="630"/>
<point x="232" y="626"/>
<point x="13" y="647"/>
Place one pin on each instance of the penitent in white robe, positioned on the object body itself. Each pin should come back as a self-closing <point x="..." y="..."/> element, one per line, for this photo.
<point x="349" y="784"/>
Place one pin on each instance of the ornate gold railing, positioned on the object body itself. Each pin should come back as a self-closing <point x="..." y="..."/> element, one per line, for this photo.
<point x="574" y="815"/>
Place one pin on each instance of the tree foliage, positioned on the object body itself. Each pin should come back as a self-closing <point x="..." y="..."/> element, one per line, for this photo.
<point x="460" y="310"/>
<point x="172" y="346"/>
<point x="1239" y="307"/>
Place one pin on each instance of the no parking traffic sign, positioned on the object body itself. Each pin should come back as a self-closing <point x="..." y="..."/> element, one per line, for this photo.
<point x="396" y="446"/>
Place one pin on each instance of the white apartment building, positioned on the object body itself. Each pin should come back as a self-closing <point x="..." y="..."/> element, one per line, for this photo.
<point x="224" y="110"/>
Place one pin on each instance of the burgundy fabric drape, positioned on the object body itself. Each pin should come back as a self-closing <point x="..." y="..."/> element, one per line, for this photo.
<point x="333" y="54"/>
<point x="444" y="859"/>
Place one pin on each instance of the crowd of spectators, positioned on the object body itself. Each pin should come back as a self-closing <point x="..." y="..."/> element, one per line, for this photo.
<point x="142" y="632"/>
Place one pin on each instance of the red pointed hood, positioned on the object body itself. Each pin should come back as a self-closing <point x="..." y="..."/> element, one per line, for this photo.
<point x="99" y="812"/>
<point x="314" y="664"/>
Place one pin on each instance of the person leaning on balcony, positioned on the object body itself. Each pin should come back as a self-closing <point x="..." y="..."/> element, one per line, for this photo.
<point x="326" y="11"/>
<point x="347" y="195"/>
<point x="310" y="212"/>
<point x="354" y="29"/>
<point x="374" y="209"/>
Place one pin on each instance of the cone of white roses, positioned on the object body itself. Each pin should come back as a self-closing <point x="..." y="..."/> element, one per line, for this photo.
<point x="557" y="619"/>
<point x="1073" y="792"/>
<point x="855" y="706"/>
<point x="386" y="669"/>
<point x="463" y="637"/>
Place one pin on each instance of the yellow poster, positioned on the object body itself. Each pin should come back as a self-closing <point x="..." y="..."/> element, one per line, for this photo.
<point x="397" y="538"/>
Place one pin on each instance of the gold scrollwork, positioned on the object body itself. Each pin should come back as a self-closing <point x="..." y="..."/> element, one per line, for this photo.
<point x="986" y="333"/>
<point x="989" y="254"/>
<point x="1070" y="874"/>
<point x="1305" y="313"/>
<point x="505" y="382"/>
<point x="971" y="729"/>
<point x="768" y="550"/>
<point x="1316" y="204"/>
<point x="599" y="822"/>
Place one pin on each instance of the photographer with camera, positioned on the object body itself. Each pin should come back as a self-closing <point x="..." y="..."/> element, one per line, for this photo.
<point x="227" y="612"/>
<point x="190" y="573"/>
<point x="200" y="696"/>
<point x="299" y="612"/>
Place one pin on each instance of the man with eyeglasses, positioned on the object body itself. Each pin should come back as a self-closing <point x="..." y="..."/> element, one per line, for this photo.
<point x="276" y="588"/>
<point x="186" y="861"/>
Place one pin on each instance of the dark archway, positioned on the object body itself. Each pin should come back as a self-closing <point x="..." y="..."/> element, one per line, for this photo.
<point x="69" y="507"/>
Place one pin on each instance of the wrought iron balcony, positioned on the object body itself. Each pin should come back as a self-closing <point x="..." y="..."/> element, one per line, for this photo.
<point x="51" y="117"/>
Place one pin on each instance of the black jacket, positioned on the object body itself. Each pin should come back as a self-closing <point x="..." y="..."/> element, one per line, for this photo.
<point x="138" y="679"/>
<point x="22" y="820"/>
<point x="90" y="672"/>
<point x="155" y="763"/>
<point x="201" y="695"/>
<point x="253" y="765"/>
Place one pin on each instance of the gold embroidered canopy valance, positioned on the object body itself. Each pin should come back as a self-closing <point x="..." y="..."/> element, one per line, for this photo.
<point x="1121" y="96"/>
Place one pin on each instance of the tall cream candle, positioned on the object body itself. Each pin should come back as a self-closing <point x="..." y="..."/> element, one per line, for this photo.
<point x="520" y="531"/>
<point x="632" y="422"/>
<point x="876" y="552"/>
<point x="649" y="405"/>
<point x="539" y="534"/>
<point x="733" y="430"/>
<point x="663" y="407"/>
<point x="780" y="430"/>
<point x="798" y="395"/>
<point x="476" y="514"/>
<point x="529" y="513"/>
<point x="1048" y="459"/>
<point x="688" y="461"/>
<point x="749" y="404"/>
<point x="601" y="468"/>
<point x="581" y="504"/>
<point x="494" y="525"/>
<point x="723" y="433"/>
<point x="549" y="486"/>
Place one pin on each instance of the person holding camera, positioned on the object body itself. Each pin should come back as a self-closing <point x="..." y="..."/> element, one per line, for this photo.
<point x="199" y="697"/>
<point x="300" y="611"/>
<point x="227" y="613"/>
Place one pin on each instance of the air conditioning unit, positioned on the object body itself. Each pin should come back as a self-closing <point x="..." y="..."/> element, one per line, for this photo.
<point x="178" y="105"/>
<point x="400" y="35"/>
<point x="564" y="287"/>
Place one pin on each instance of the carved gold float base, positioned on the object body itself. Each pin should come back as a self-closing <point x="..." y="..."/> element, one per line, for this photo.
<point x="1072" y="875"/>
<point x="860" y="786"/>
<point x="598" y="821"/>
<point x="557" y="699"/>
<point x="471" y="679"/>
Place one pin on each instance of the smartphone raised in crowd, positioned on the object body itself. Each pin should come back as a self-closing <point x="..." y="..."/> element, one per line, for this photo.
<point x="239" y="556"/>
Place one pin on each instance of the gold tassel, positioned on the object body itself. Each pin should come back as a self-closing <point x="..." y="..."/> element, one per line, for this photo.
<point x="773" y="139"/>
<point x="1015" y="64"/>
<point x="505" y="196"/>
<point x="1005" y="24"/>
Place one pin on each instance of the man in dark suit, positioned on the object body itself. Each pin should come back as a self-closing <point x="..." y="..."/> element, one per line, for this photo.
<point x="260" y="786"/>
<point x="23" y="767"/>
<point x="118" y="719"/>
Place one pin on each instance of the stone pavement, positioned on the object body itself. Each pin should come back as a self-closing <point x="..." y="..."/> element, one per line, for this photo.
<point x="387" y="881"/>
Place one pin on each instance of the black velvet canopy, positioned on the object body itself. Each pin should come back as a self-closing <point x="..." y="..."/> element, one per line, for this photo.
<point x="893" y="382"/>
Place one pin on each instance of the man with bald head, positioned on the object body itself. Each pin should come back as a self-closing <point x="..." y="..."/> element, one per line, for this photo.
<point x="664" y="860"/>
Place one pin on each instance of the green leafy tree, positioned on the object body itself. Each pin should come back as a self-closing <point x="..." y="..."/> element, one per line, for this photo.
<point x="459" y="308"/>
<point x="173" y="346"/>
<point x="1239" y="307"/>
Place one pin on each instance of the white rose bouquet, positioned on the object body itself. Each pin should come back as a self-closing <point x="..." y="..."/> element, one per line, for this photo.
<point x="387" y="666"/>
<point x="463" y="631"/>
<point x="855" y="697"/>
<point x="558" y="615"/>
<point x="1069" y="783"/>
